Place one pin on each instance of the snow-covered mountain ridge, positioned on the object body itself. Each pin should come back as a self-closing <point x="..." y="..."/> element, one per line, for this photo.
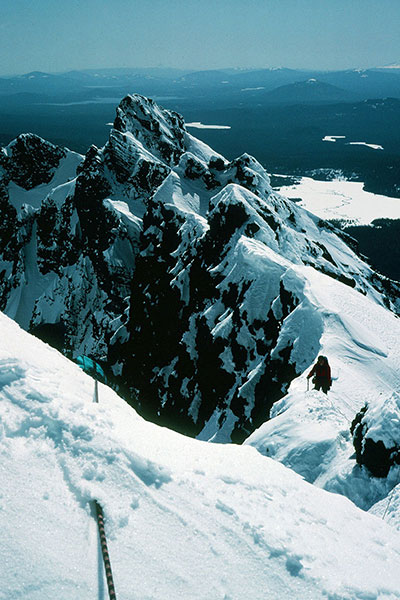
<point x="186" y="271"/>
<point x="183" y="519"/>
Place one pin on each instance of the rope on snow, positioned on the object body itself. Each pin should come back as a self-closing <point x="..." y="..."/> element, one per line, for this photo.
<point x="104" y="551"/>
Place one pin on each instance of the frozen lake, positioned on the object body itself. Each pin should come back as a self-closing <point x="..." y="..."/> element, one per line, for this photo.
<point x="345" y="200"/>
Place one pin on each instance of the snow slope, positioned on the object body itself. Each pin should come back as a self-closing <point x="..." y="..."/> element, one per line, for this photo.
<point x="309" y="431"/>
<point x="184" y="519"/>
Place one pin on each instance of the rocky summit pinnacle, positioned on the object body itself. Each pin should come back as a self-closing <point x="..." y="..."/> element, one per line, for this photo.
<point x="159" y="130"/>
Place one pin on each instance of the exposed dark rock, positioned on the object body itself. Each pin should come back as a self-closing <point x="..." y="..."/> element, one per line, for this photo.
<point x="52" y="334"/>
<point x="98" y="225"/>
<point x="338" y="276"/>
<point x="58" y="244"/>
<point x="195" y="169"/>
<point x="8" y="221"/>
<point x="370" y="453"/>
<point x="217" y="164"/>
<point x="31" y="160"/>
<point x="148" y="175"/>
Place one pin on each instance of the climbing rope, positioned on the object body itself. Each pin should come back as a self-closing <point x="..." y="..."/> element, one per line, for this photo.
<point x="104" y="551"/>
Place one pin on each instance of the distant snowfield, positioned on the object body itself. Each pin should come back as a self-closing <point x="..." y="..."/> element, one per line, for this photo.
<point x="333" y="138"/>
<point x="373" y="146"/>
<point x="252" y="89"/>
<point x="198" y="125"/>
<point x="344" y="200"/>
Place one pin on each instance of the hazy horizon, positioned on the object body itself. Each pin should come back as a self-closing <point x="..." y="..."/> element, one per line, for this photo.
<point x="189" y="35"/>
<point x="193" y="69"/>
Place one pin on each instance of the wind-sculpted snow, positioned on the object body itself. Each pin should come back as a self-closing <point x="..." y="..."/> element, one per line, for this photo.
<point x="172" y="265"/>
<point x="183" y="519"/>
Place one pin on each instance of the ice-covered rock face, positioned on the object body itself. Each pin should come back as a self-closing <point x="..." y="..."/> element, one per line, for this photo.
<point x="68" y="238"/>
<point x="173" y="264"/>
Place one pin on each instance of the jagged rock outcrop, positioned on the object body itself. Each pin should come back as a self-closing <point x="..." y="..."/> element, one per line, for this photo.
<point x="30" y="161"/>
<point x="376" y="435"/>
<point x="66" y="253"/>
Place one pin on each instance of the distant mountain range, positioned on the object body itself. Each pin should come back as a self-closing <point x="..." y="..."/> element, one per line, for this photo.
<point x="354" y="84"/>
<point x="310" y="91"/>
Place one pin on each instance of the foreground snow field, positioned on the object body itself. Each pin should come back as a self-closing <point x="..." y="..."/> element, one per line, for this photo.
<point x="184" y="519"/>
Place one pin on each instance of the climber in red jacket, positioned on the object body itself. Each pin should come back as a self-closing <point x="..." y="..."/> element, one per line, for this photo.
<point x="322" y="374"/>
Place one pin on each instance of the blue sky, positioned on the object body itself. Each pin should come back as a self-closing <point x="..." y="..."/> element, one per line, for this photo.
<point x="54" y="35"/>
